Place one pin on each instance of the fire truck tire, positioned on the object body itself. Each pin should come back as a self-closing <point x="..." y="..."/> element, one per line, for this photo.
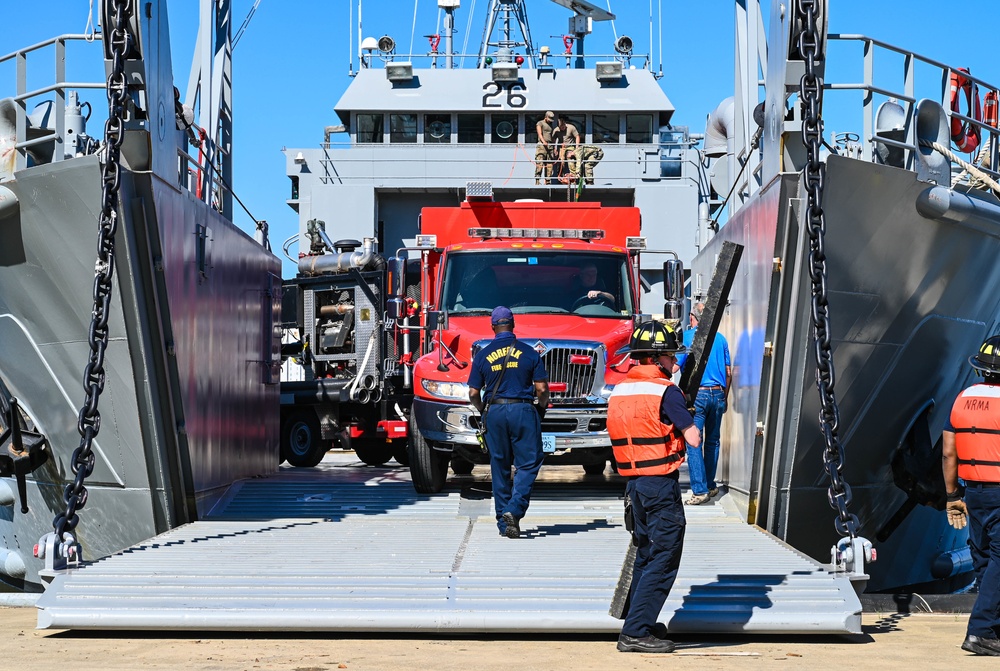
<point x="428" y="467"/>
<point x="461" y="465"/>
<point x="373" y="452"/>
<point x="301" y="442"/>
<point x="595" y="468"/>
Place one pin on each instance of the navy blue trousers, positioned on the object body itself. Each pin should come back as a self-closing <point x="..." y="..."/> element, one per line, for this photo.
<point x="983" y="505"/>
<point x="659" y="529"/>
<point x="514" y="438"/>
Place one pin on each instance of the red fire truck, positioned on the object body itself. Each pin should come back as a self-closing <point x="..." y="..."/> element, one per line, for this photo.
<point x="570" y="274"/>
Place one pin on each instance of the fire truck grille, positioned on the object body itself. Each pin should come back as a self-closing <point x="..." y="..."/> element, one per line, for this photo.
<point x="576" y="367"/>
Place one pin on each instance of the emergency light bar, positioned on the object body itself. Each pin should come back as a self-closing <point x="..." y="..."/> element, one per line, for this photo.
<point x="559" y="233"/>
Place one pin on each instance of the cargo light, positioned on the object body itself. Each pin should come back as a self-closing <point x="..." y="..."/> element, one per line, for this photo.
<point x="557" y="233"/>
<point x="430" y="241"/>
<point x="635" y="242"/>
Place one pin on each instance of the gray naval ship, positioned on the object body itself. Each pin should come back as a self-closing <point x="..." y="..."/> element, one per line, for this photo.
<point x="193" y="349"/>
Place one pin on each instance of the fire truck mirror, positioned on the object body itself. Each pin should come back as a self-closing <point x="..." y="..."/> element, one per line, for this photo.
<point x="437" y="320"/>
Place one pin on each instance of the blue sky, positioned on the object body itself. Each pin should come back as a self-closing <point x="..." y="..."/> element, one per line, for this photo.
<point x="291" y="65"/>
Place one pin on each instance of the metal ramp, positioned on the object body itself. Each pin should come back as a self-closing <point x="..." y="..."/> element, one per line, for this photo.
<point x="347" y="548"/>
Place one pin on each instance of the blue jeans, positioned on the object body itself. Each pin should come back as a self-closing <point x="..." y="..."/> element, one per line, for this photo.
<point x="514" y="437"/>
<point x="709" y="406"/>
<point x="983" y="505"/>
<point x="659" y="530"/>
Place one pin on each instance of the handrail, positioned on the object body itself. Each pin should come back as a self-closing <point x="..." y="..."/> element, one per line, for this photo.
<point x="52" y="40"/>
<point x="58" y="135"/>
<point x="908" y="97"/>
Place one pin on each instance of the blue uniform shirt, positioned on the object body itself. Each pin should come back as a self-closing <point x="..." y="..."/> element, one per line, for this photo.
<point x="673" y="409"/>
<point x="524" y="368"/>
<point x="718" y="360"/>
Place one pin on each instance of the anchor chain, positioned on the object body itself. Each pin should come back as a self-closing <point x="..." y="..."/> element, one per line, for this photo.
<point x="89" y="419"/>
<point x="811" y="96"/>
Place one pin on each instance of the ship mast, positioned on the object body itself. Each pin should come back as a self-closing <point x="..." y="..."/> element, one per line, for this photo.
<point x="507" y="12"/>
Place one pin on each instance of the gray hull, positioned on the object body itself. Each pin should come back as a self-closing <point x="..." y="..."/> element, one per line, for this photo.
<point x="188" y="363"/>
<point x="911" y="297"/>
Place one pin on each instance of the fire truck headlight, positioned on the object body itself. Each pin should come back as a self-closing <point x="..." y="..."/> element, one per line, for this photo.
<point x="452" y="391"/>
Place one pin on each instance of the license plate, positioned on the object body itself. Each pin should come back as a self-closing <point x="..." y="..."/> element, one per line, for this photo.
<point x="548" y="443"/>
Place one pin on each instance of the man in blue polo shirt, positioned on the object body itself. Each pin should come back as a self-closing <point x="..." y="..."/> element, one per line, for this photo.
<point x="512" y="378"/>
<point x="710" y="404"/>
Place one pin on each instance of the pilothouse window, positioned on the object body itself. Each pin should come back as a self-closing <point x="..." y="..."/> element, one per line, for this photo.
<point x="606" y="128"/>
<point x="471" y="128"/>
<point x="403" y="128"/>
<point x="639" y="128"/>
<point x="504" y="128"/>
<point x="437" y="128"/>
<point x="371" y="128"/>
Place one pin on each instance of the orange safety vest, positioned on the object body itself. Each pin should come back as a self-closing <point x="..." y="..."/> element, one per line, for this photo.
<point x="975" y="419"/>
<point x="642" y="443"/>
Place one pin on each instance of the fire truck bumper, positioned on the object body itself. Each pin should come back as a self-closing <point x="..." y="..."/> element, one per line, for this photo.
<point x="577" y="428"/>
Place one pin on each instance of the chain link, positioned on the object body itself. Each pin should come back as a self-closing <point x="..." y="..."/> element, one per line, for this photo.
<point x="811" y="99"/>
<point x="89" y="419"/>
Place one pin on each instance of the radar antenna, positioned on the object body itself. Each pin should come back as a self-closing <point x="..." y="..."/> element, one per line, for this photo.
<point x="506" y="11"/>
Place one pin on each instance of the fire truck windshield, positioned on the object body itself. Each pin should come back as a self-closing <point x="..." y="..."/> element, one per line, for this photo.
<point x="538" y="282"/>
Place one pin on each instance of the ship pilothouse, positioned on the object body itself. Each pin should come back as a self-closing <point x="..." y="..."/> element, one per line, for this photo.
<point x="415" y="128"/>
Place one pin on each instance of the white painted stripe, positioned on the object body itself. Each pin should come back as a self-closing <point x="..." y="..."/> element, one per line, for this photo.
<point x="639" y="389"/>
<point x="982" y="390"/>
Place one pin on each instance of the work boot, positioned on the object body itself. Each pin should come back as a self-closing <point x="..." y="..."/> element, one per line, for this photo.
<point x="697" y="499"/>
<point x="512" y="530"/>
<point x="978" y="645"/>
<point x="659" y="630"/>
<point x="645" y="644"/>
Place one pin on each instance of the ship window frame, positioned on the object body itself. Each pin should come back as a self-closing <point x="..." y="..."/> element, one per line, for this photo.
<point x="358" y="125"/>
<point x="403" y="136"/>
<point x="506" y="116"/>
<point x="444" y="139"/>
<point x="629" y="137"/>
<point x="530" y="129"/>
<point x="480" y="137"/>
<point x="617" y="134"/>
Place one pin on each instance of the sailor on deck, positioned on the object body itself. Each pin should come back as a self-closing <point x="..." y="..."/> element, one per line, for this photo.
<point x="545" y="150"/>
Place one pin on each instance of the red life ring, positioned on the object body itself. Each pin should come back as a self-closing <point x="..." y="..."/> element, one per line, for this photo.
<point x="990" y="108"/>
<point x="965" y="135"/>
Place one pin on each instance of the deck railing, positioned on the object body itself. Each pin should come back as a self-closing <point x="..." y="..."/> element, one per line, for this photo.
<point x="916" y="77"/>
<point x="60" y="88"/>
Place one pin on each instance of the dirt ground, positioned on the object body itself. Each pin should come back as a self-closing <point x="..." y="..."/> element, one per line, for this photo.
<point x="924" y="641"/>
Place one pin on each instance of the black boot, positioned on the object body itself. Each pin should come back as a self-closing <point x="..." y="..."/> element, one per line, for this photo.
<point x="645" y="644"/>
<point x="981" y="646"/>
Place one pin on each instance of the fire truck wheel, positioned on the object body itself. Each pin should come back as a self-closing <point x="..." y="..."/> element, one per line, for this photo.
<point x="596" y="468"/>
<point x="373" y="452"/>
<point x="301" y="442"/>
<point x="461" y="466"/>
<point x="428" y="467"/>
